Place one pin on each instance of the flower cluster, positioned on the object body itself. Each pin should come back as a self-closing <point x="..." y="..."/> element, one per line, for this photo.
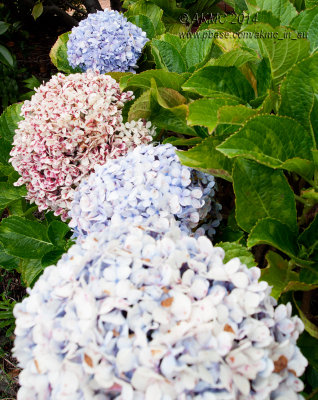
<point x="105" y="41"/>
<point x="145" y="313"/>
<point x="147" y="181"/>
<point x="71" y="124"/>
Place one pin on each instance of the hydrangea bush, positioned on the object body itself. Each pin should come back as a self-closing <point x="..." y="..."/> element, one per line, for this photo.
<point x="148" y="313"/>
<point x="147" y="181"/>
<point x="71" y="124"/>
<point x="105" y="41"/>
<point x="153" y="311"/>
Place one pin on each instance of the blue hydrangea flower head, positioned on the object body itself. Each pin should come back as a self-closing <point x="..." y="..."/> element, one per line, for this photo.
<point x="148" y="181"/>
<point x="105" y="41"/>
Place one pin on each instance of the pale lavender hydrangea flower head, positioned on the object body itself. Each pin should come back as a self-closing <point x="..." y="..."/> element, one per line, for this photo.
<point x="71" y="124"/>
<point x="147" y="181"/>
<point x="146" y="313"/>
<point x="105" y="41"/>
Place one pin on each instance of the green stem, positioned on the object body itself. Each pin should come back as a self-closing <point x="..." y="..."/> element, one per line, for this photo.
<point x="313" y="394"/>
<point x="30" y="211"/>
<point x="300" y="199"/>
<point x="315" y="159"/>
<point x="311" y="182"/>
<point x="315" y="182"/>
<point x="158" y="137"/>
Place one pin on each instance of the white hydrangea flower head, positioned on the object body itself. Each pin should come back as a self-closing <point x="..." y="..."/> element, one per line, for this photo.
<point x="144" y="313"/>
<point x="147" y="181"/>
<point x="71" y="124"/>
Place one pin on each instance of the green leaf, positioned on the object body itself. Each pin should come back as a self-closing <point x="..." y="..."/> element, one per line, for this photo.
<point x="298" y="4"/>
<point x="174" y="27"/>
<point x="37" y="10"/>
<point x="281" y="9"/>
<point x="158" y="103"/>
<point x="312" y="376"/>
<point x="310" y="194"/>
<point x="265" y="17"/>
<point x="8" y="262"/>
<point x="235" y="58"/>
<point x="169" y="7"/>
<point x="313" y="121"/>
<point x="52" y="257"/>
<point x="240" y="5"/>
<point x="175" y="40"/>
<point x="210" y="80"/>
<point x="310" y="327"/>
<point x="309" y="274"/>
<point x="200" y="5"/>
<point x="151" y="11"/>
<point x="271" y="140"/>
<point x="163" y="79"/>
<point x="4" y="26"/>
<point x="9" y="120"/>
<point x="196" y="51"/>
<point x="201" y="131"/>
<point x="124" y="79"/>
<point x="205" y="111"/>
<point x="129" y="3"/>
<point x="173" y="119"/>
<point x="235" y="115"/>
<point x="9" y="193"/>
<point x="228" y="235"/>
<point x="145" y="24"/>
<point x="274" y="233"/>
<point x="307" y="21"/>
<point x="220" y="24"/>
<point x="167" y="56"/>
<point x="206" y="158"/>
<point x="262" y="192"/>
<point x="58" y="55"/>
<point x="5" y="56"/>
<point x="279" y="275"/>
<point x="282" y="52"/>
<point x="24" y="238"/>
<point x="308" y="347"/>
<point x="17" y="207"/>
<point x="298" y="93"/>
<point x="142" y="107"/>
<point x="5" y="149"/>
<point x="309" y="237"/>
<point x="5" y="169"/>
<point x="30" y="270"/>
<point x="182" y="142"/>
<point x="8" y="124"/>
<point x="13" y="176"/>
<point x="223" y="131"/>
<point x="304" y="168"/>
<point x="166" y="97"/>
<point x="31" y="82"/>
<point x="263" y="77"/>
<point x="119" y="76"/>
<point x="233" y="250"/>
<point x="56" y="233"/>
<point x="310" y="3"/>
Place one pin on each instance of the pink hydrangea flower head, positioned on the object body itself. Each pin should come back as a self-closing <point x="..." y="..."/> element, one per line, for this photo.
<point x="71" y="124"/>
